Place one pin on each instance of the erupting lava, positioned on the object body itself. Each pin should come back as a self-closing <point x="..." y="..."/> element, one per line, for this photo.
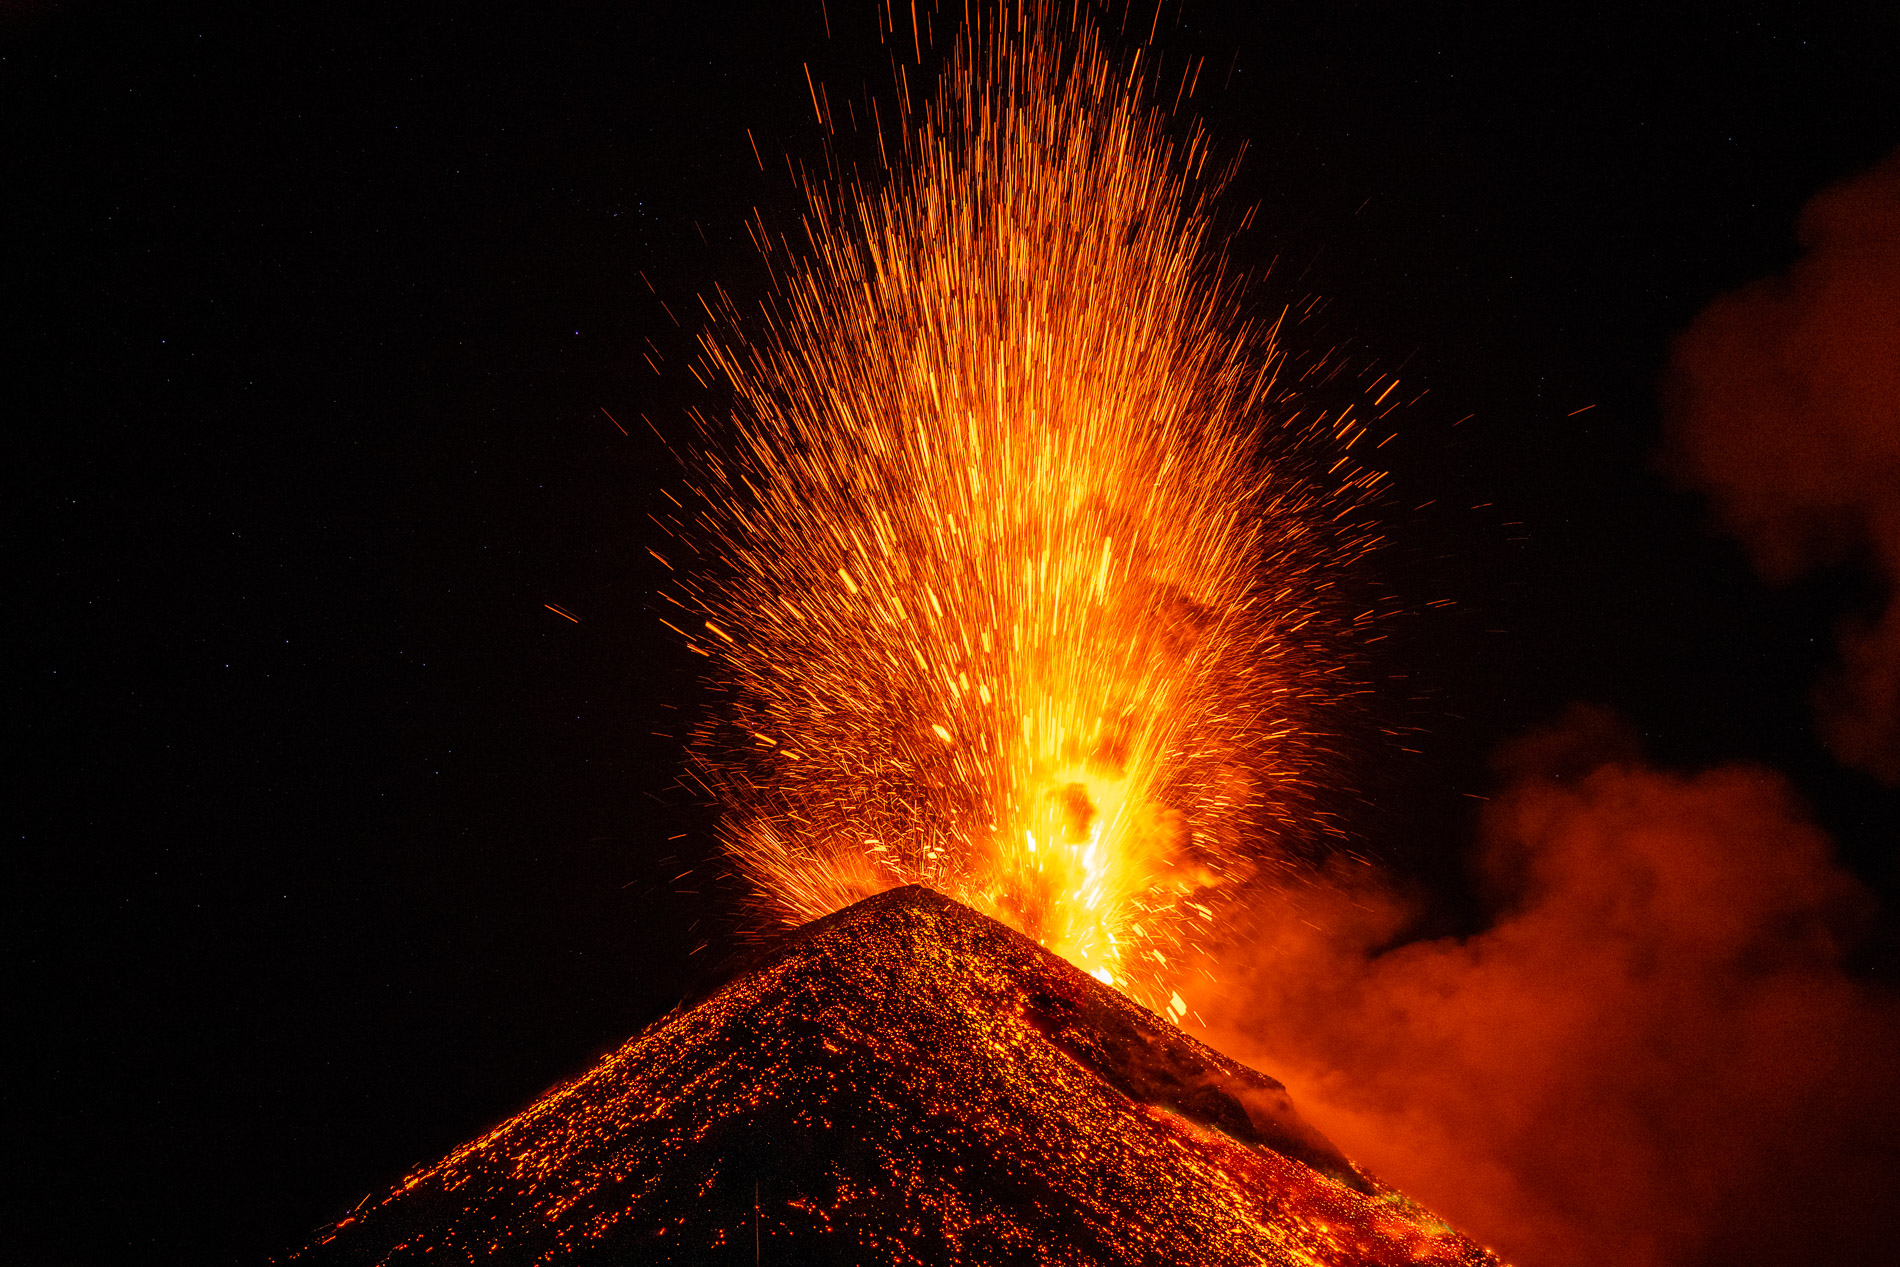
<point x="1024" y="586"/>
<point x="1017" y="605"/>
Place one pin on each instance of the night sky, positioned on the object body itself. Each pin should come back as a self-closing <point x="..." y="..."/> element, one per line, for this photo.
<point x="335" y="844"/>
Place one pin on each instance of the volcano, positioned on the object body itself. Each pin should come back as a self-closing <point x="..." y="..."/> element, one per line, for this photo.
<point x="905" y="1081"/>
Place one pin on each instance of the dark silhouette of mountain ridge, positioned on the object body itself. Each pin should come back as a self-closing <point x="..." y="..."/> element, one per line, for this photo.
<point x="904" y="1081"/>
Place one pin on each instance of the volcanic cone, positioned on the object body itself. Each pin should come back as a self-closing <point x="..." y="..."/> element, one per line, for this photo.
<point x="906" y="1081"/>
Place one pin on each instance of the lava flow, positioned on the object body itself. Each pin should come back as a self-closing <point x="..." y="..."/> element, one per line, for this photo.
<point x="1024" y="554"/>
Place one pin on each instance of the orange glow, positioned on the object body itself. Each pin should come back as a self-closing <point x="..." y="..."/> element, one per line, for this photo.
<point x="1021" y="540"/>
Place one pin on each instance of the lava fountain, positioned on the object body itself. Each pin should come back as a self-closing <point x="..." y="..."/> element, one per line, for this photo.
<point x="1022" y="555"/>
<point x="1017" y="589"/>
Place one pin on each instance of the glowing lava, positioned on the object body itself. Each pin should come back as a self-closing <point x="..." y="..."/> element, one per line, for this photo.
<point x="1022" y="583"/>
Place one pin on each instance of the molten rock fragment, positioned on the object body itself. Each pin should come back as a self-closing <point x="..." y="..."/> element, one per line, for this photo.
<point x="907" y="1081"/>
<point x="1020" y="556"/>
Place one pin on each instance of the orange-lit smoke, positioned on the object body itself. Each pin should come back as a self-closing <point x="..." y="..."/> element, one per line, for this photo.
<point x="1652" y="1056"/>
<point x="1787" y="412"/>
<point x="1018" y="600"/>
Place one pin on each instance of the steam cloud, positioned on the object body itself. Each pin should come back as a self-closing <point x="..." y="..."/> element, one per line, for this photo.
<point x="1786" y="411"/>
<point x="1656" y="1054"/>
<point x="1653" y="1056"/>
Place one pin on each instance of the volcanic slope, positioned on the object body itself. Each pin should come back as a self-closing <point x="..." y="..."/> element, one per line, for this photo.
<point x="907" y="1081"/>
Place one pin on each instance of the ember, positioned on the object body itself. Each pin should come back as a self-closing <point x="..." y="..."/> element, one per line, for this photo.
<point x="1028" y="551"/>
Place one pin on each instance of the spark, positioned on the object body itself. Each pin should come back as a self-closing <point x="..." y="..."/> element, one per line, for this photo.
<point x="1018" y="544"/>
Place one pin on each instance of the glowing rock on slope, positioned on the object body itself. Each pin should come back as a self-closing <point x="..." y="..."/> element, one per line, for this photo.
<point x="907" y="1081"/>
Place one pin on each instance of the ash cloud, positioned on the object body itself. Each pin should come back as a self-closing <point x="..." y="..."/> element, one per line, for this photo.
<point x="1785" y="410"/>
<point x="1654" y="1054"/>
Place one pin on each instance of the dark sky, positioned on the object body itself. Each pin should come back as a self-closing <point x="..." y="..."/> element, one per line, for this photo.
<point x="334" y="844"/>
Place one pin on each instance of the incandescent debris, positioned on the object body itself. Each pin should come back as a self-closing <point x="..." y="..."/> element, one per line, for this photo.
<point x="905" y="1081"/>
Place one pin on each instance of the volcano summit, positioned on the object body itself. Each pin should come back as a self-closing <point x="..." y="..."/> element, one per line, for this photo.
<point x="906" y="1081"/>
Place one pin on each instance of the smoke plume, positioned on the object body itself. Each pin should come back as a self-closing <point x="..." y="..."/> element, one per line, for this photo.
<point x="1653" y="1055"/>
<point x="1785" y="409"/>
